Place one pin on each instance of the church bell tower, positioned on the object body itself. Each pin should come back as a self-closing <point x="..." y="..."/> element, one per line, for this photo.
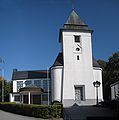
<point x="75" y="69"/>
<point x="75" y="38"/>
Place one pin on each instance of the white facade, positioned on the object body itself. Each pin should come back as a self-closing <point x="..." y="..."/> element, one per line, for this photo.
<point x="56" y="75"/>
<point x="97" y="73"/>
<point x="77" y="72"/>
<point x="29" y="96"/>
<point x="74" y="82"/>
<point x="15" y="89"/>
<point x="75" y="69"/>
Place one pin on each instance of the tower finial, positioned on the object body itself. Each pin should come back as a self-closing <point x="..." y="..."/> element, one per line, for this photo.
<point x="72" y="4"/>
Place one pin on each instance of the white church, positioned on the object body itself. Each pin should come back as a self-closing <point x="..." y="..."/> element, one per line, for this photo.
<point x="70" y="79"/>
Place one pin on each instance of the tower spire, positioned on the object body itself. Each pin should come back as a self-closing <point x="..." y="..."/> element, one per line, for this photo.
<point x="72" y="4"/>
<point x="74" y="19"/>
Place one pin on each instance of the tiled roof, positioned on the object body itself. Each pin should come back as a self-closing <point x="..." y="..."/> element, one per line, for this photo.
<point x="59" y="60"/>
<point x="95" y="63"/>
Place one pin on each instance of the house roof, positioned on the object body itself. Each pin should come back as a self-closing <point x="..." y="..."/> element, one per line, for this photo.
<point x="95" y="63"/>
<point x="114" y="83"/>
<point x="18" y="75"/>
<point x="59" y="61"/>
<point x="31" y="89"/>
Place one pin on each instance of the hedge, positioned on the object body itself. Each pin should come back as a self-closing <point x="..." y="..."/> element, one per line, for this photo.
<point x="40" y="111"/>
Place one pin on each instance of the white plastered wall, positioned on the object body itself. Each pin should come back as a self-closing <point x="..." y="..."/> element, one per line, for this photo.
<point x="15" y="85"/>
<point x="98" y="77"/>
<point x="56" y="82"/>
<point x="77" y="72"/>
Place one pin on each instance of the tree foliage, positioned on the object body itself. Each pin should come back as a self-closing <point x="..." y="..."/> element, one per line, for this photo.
<point x="102" y="63"/>
<point x="7" y="90"/>
<point x="110" y="73"/>
<point x="112" y="68"/>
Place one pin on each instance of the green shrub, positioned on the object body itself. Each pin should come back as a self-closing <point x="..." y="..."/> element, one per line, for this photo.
<point x="57" y="112"/>
<point x="41" y="111"/>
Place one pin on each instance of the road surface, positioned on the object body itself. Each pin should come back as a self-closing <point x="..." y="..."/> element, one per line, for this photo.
<point x="76" y="112"/>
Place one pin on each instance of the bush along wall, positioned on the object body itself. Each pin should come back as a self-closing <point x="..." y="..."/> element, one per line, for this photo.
<point x="40" y="111"/>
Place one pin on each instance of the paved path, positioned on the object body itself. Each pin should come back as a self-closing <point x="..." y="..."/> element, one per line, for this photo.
<point x="82" y="112"/>
<point x="10" y="116"/>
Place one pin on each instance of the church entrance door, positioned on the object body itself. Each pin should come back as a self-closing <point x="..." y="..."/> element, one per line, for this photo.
<point x="79" y="92"/>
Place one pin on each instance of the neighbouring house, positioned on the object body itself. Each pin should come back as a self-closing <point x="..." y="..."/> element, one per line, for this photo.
<point x="72" y="74"/>
<point x="114" y="90"/>
<point x="31" y="87"/>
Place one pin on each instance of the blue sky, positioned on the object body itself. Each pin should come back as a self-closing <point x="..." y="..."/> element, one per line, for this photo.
<point x="29" y="30"/>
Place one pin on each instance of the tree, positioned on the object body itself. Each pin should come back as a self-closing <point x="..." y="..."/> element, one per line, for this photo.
<point x="102" y="63"/>
<point x="7" y="90"/>
<point x="110" y="73"/>
<point x="112" y="69"/>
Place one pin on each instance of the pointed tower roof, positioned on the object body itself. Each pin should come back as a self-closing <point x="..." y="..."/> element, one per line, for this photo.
<point x="74" y="19"/>
<point x="75" y="22"/>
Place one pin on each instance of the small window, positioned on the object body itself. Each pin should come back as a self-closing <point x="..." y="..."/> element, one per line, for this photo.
<point x="45" y="85"/>
<point x="19" y="85"/>
<point x="77" y="39"/>
<point x="27" y="82"/>
<point x="45" y="97"/>
<point x="77" y="57"/>
<point x="77" y="49"/>
<point x="37" y="83"/>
